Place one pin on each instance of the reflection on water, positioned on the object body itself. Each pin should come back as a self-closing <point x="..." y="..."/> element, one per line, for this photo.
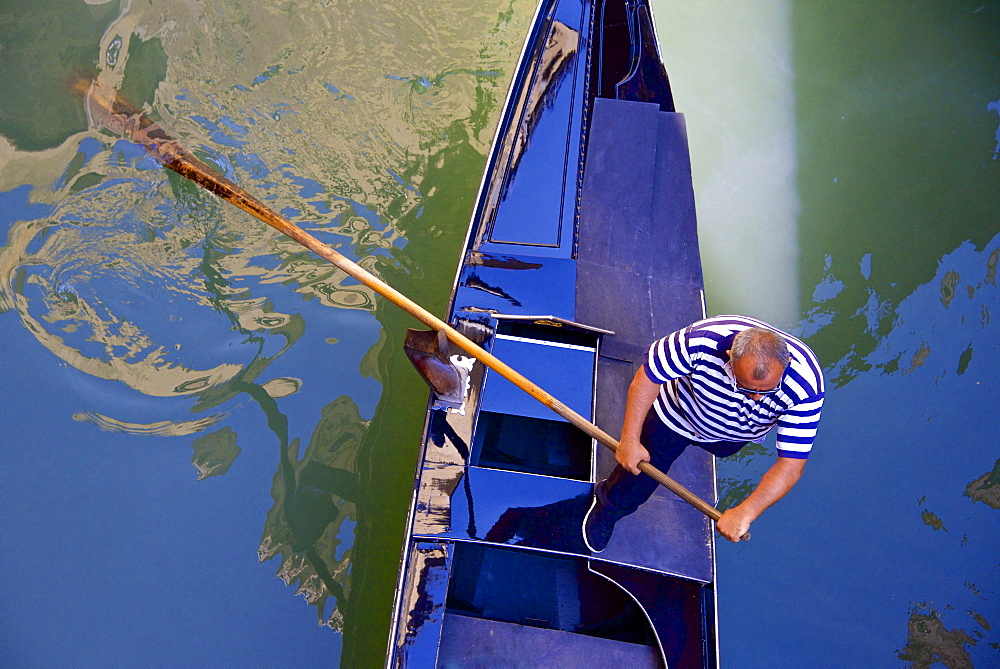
<point x="986" y="488"/>
<point x="164" y="312"/>
<point x="215" y="452"/>
<point x="310" y="525"/>
<point x="163" y="428"/>
<point x="930" y="642"/>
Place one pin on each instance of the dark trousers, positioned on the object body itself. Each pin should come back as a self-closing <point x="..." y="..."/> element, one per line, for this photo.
<point x="623" y="492"/>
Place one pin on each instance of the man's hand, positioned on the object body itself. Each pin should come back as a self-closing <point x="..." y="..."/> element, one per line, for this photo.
<point x="733" y="524"/>
<point x="630" y="453"/>
<point x="777" y="481"/>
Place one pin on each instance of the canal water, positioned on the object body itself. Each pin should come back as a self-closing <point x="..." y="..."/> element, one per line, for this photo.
<point x="846" y="159"/>
<point x="208" y="436"/>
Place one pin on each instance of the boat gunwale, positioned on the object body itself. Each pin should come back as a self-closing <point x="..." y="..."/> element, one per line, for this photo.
<point x="510" y="103"/>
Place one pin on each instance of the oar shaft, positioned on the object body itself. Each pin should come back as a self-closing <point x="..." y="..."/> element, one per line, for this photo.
<point x="190" y="167"/>
<point x="121" y="116"/>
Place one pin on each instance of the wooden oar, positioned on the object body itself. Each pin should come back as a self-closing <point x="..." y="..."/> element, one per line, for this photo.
<point x="123" y="117"/>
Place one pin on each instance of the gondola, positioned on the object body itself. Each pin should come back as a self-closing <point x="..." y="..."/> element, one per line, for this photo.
<point x="582" y="250"/>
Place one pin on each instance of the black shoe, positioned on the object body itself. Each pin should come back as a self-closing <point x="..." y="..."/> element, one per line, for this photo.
<point x="596" y="529"/>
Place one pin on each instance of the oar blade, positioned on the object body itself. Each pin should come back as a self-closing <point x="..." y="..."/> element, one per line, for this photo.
<point x="429" y="353"/>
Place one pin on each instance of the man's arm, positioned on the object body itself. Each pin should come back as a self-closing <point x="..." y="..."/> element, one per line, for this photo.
<point x="641" y="394"/>
<point x="777" y="481"/>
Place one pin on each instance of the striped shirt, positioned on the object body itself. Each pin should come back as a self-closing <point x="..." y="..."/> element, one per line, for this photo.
<point x="698" y="397"/>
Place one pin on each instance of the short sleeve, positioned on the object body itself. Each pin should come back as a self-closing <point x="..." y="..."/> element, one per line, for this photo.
<point x="797" y="428"/>
<point x="669" y="358"/>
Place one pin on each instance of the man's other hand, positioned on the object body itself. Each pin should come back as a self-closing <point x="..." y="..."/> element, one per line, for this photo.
<point x="630" y="453"/>
<point x="733" y="524"/>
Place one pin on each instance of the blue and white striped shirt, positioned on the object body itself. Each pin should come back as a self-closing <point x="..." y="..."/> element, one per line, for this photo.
<point x="698" y="398"/>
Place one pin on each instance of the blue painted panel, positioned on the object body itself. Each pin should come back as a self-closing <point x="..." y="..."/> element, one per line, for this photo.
<point x="526" y="285"/>
<point x="512" y="607"/>
<point x="538" y="200"/>
<point x="539" y="251"/>
<point x="520" y="444"/>
<point x="519" y="509"/>
<point x="677" y="610"/>
<point x="565" y="373"/>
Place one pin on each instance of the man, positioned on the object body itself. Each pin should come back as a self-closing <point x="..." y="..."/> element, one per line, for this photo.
<point x="718" y="384"/>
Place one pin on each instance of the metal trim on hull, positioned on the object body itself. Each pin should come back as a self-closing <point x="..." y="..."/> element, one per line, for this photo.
<point x="659" y="643"/>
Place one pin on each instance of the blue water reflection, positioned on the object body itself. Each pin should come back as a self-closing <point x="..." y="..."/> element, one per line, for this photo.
<point x="104" y="523"/>
<point x="891" y="515"/>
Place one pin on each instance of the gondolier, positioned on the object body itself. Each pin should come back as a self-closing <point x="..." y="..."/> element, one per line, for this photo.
<point x="718" y="384"/>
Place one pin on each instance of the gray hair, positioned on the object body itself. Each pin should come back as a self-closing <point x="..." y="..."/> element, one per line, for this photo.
<point x="763" y="346"/>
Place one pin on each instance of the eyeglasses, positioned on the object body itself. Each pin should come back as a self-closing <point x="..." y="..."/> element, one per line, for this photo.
<point x="748" y="391"/>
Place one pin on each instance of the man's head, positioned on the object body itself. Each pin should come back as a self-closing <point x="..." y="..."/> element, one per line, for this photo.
<point x="758" y="358"/>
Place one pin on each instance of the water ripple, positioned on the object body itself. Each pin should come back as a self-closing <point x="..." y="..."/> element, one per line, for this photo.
<point x="163" y="428"/>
